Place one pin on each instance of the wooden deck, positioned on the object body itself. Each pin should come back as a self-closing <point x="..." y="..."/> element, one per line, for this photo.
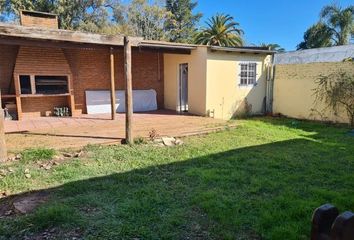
<point x="79" y="131"/>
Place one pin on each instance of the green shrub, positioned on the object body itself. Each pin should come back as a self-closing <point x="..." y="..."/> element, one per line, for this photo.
<point x="139" y="140"/>
<point x="37" y="154"/>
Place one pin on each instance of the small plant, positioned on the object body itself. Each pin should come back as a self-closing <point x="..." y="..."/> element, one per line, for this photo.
<point x="336" y="90"/>
<point x="37" y="154"/>
<point x="139" y="140"/>
<point x="153" y="134"/>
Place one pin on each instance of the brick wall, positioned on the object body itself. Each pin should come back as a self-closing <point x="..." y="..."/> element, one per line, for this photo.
<point x="91" y="71"/>
<point x="41" y="61"/>
<point x="7" y="64"/>
<point x="41" y="106"/>
<point x="32" y="19"/>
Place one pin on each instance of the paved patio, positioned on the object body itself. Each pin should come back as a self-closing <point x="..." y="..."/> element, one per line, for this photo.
<point x="92" y="129"/>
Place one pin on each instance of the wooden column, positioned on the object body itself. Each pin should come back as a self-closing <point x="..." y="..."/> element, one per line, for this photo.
<point x="18" y="96"/>
<point x="128" y="90"/>
<point x="113" y="87"/>
<point x="3" y="150"/>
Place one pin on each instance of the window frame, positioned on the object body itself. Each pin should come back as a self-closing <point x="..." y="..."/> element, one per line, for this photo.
<point x="244" y="80"/>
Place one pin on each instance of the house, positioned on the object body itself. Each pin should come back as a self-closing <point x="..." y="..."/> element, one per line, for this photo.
<point x="43" y="67"/>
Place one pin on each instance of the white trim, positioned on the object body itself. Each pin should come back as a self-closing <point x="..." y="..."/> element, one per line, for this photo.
<point x="248" y="85"/>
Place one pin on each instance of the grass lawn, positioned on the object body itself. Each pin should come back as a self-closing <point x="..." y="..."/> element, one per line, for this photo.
<point x="261" y="180"/>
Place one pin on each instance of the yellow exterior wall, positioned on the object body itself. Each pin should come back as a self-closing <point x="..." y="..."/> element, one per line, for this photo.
<point x="196" y="80"/>
<point x="225" y="97"/>
<point x="293" y="90"/>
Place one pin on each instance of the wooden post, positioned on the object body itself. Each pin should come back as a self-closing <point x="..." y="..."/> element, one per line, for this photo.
<point x="113" y="88"/>
<point x="3" y="150"/>
<point x="322" y="220"/>
<point x="128" y="90"/>
<point x="18" y="97"/>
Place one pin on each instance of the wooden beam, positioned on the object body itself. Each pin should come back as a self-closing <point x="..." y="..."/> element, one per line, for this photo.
<point x="60" y="35"/>
<point x="113" y="87"/>
<point x="50" y="43"/>
<point x="3" y="149"/>
<point x="57" y="35"/>
<point x="169" y="51"/>
<point x="128" y="90"/>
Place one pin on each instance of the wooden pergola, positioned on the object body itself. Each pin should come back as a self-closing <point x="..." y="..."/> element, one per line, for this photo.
<point x="58" y="38"/>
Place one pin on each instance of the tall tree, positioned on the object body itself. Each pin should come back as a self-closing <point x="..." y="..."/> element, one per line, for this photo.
<point x="318" y="35"/>
<point x="181" y="25"/>
<point x="340" y="22"/>
<point x="147" y="20"/>
<point x="336" y="27"/>
<point x="273" y="47"/>
<point x="221" y="30"/>
<point x="87" y="15"/>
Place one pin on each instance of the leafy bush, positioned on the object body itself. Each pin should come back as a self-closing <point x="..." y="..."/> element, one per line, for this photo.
<point x="336" y="90"/>
<point x="139" y="140"/>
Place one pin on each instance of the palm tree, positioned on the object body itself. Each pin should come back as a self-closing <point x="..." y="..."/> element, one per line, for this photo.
<point x="317" y="36"/>
<point x="273" y="47"/>
<point x="340" y="22"/>
<point x="221" y="31"/>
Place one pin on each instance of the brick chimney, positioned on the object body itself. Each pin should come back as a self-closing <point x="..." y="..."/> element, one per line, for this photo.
<point x="39" y="19"/>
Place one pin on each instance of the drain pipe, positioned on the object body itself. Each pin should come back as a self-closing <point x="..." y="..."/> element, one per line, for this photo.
<point x="269" y="86"/>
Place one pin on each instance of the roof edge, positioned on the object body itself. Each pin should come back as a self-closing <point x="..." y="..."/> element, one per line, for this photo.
<point x="162" y="44"/>
<point x="241" y="50"/>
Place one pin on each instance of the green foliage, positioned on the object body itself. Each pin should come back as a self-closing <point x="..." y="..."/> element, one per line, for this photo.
<point x="146" y="19"/>
<point x="85" y="15"/>
<point x="336" y="90"/>
<point x="221" y="30"/>
<point x="140" y="140"/>
<point x="273" y="46"/>
<point x="335" y="28"/>
<point x="37" y="154"/>
<point x="340" y="21"/>
<point x="181" y="24"/>
<point x="318" y="35"/>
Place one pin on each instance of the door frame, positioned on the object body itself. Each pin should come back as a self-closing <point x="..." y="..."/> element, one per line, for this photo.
<point x="180" y="106"/>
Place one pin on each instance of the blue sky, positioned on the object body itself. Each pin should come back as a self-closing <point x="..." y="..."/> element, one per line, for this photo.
<point x="276" y="21"/>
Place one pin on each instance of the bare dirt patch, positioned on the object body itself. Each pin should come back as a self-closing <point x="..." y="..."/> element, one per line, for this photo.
<point x="22" y="204"/>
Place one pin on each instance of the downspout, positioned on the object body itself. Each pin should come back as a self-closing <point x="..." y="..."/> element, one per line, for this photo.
<point x="269" y="86"/>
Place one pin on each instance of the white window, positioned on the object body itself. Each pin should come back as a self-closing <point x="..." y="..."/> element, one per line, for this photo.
<point x="248" y="73"/>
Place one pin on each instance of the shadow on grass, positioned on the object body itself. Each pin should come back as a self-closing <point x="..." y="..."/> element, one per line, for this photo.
<point x="259" y="192"/>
